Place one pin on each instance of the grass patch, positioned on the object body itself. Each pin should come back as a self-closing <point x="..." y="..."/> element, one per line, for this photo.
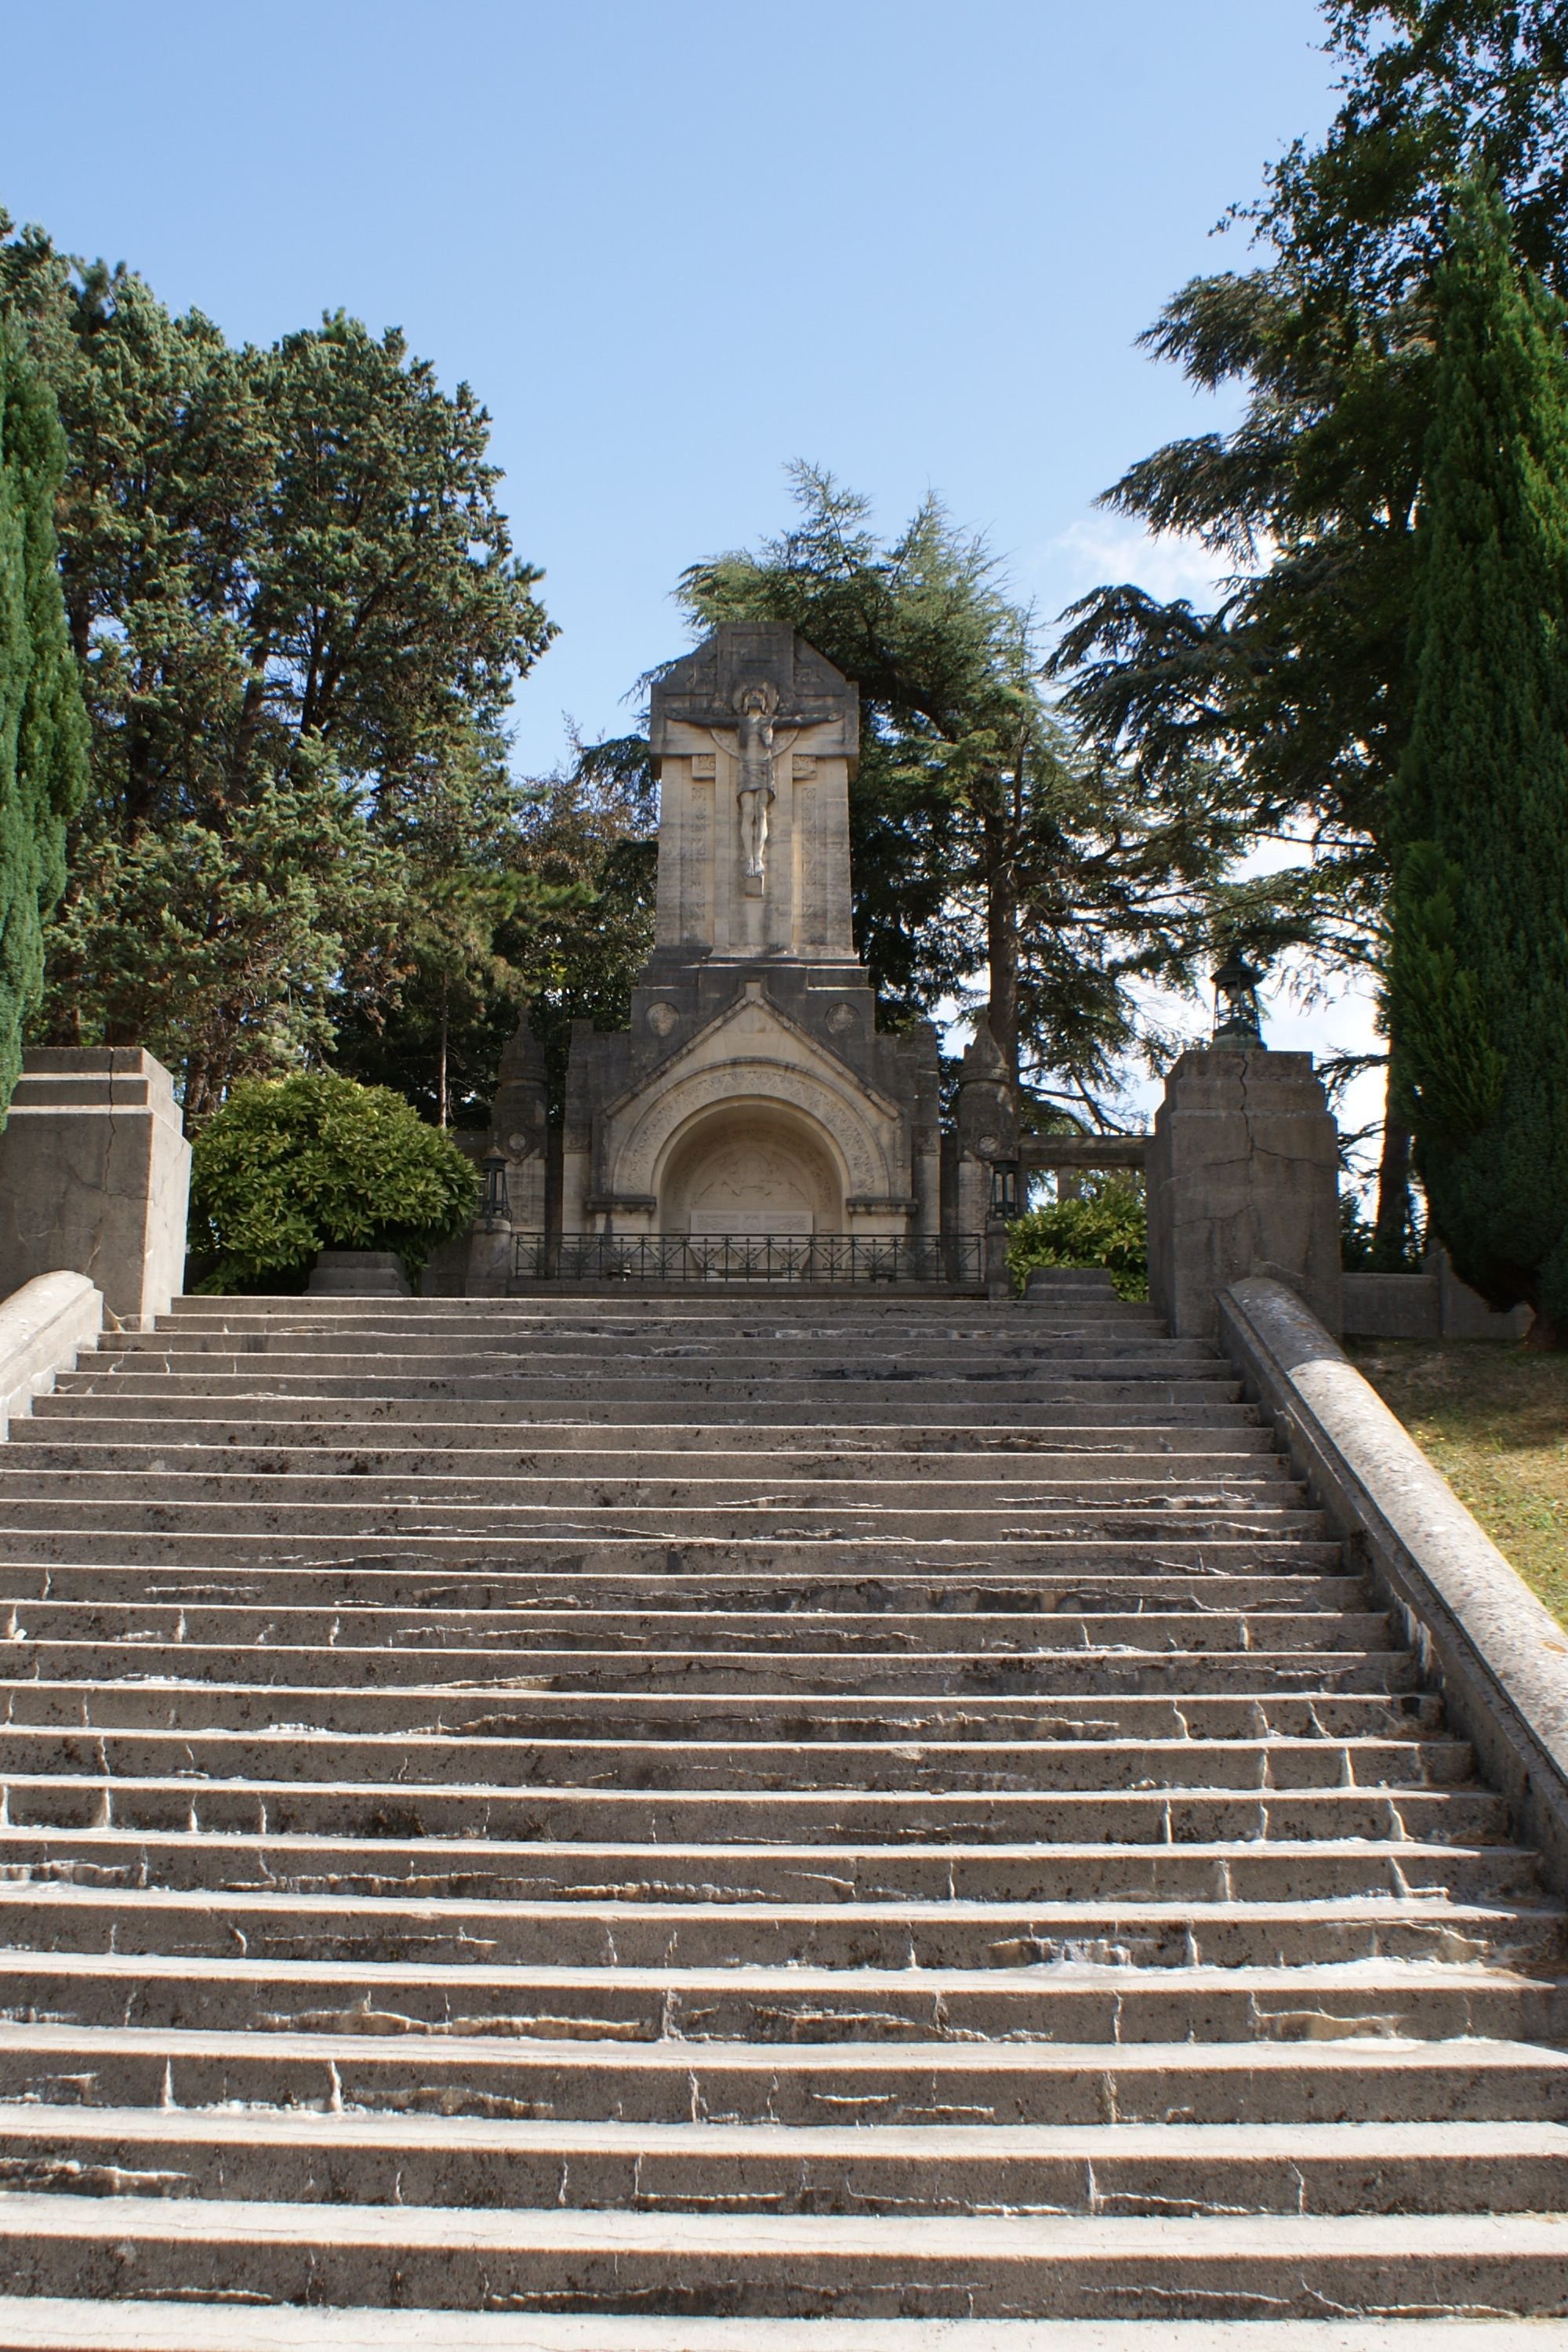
<point x="1494" y="1419"/>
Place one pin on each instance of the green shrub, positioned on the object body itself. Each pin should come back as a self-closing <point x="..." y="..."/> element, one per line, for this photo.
<point x="289" y="1166"/>
<point x="1109" y="1226"/>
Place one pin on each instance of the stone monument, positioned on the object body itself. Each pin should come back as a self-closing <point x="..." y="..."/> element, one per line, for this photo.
<point x="751" y="1094"/>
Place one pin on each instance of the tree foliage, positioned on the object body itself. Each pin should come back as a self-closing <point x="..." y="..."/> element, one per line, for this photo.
<point x="1292" y="695"/>
<point x="1108" y="1226"/>
<point x="296" y="609"/>
<point x="43" y="729"/>
<point x="982" y="842"/>
<point x="1479" y="972"/>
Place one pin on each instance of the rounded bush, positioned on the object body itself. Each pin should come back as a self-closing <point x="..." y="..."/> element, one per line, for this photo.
<point x="290" y="1165"/>
<point x="1109" y="1227"/>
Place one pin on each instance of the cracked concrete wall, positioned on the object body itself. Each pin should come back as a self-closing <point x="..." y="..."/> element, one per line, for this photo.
<point x="1243" y="1176"/>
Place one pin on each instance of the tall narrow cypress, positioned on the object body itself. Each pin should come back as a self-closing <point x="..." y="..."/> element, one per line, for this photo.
<point x="1480" y="963"/>
<point x="43" y="725"/>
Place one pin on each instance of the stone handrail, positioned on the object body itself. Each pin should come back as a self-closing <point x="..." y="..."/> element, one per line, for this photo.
<point x="43" y="1328"/>
<point x="1498" y="1657"/>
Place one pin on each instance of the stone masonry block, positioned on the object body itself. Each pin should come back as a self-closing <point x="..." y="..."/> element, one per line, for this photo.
<point x="94" y="1178"/>
<point x="1243" y="1180"/>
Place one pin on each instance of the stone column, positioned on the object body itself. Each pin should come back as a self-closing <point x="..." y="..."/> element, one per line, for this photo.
<point x="95" y="1176"/>
<point x="1243" y="1175"/>
<point x="988" y="1127"/>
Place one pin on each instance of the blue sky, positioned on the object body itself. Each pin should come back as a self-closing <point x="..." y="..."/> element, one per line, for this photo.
<point x="673" y="247"/>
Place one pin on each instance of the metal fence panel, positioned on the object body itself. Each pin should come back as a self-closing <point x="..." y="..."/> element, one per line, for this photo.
<point x="830" y="1258"/>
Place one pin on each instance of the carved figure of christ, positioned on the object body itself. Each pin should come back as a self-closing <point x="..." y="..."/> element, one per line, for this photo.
<point x="757" y="747"/>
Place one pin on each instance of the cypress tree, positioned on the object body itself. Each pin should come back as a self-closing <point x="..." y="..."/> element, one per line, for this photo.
<point x="1479" y="963"/>
<point x="43" y="723"/>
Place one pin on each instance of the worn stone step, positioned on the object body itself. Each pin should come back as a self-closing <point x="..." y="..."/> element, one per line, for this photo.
<point x="214" y="1512"/>
<point x="829" y="1355"/>
<point x="880" y="1883"/>
<point x="457" y="2161"/>
<point x="274" y="1424"/>
<point x="752" y="1767"/>
<point x="594" y="1548"/>
<point x="882" y="1420"/>
<point x="1342" y="2079"/>
<point x="1076" y="1667"/>
<point x="512" y="1635"/>
<point x="931" y="1392"/>
<point x="493" y="1727"/>
<point x="651" y="1320"/>
<point x="473" y="1888"/>
<point x="339" y="1594"/>
<point x="67" y="2323"/>
<point x="1274" y="1502"/>
<point x="1011" y="1818"/>
<point x="792" y="2265"/>
<point x="494" y="1473"/>
<point x="1040" y="1972"/>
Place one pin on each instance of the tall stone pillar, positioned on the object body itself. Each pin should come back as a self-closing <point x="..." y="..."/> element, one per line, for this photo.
<point x="95" y="1177"/>
<point x="519" y="1126"/>
<point x="1243" y="1176"/>
<point x="988" y="1127"/>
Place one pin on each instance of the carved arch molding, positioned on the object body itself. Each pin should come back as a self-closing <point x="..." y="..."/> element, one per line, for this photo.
<point x="865" y="1149"/>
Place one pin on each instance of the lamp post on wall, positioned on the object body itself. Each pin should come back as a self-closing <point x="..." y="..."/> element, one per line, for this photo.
<point x="495" y="1208"/>
<point x="1005" y="1189"/>
<point x="1237" y="1021"/>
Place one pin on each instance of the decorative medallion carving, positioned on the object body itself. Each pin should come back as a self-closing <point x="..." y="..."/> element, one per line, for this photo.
<point x="663" y="1018"/>
<point x="843" y="1020"/>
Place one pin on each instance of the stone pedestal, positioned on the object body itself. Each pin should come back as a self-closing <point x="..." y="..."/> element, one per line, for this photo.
<point x="357" y="1273"/>
<point x="95" y="1176"/>
<point x="1243" y="1175"/>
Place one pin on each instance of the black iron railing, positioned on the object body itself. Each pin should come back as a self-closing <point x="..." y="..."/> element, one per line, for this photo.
<point x="745" y="1258"/>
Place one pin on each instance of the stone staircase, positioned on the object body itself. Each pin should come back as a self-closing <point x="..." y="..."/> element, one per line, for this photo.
<point x="740" y="1806"/>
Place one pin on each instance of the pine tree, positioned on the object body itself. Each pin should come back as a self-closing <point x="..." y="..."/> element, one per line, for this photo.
<point x="43" y="725"/>
<point x="1479" y="978"/>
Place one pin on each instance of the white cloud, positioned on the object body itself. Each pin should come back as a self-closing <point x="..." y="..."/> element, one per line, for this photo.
<point x="1100" y="547"/>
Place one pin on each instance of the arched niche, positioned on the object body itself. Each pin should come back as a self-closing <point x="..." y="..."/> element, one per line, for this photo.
<point x="750" y="1168"/>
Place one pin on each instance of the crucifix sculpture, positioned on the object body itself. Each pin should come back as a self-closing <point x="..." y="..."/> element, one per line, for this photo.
<point x="758" y="745"/>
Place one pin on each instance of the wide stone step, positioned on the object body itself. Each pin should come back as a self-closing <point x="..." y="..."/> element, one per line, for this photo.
<point x="1166" y="1810"/>
<point x="394" y="1964"/>
<point x="828" y="1354"/>
<point x="997" y="1421"/>
<point x="592" y="1547"/>
<point x="880" y="1636"/>
<point x="1077" y="1667"/>
<point x="1470" y="2079"/>
<point x="493" y="1727"/>
<point x="1275" y="1499"/>
<point x="475" y="1883"/>
<point x="931" y="1392"/>
<point x="513" y="1715"/>
<point x="690" y="1763"/>
<point x="789" y="2266"/>
<point x="755" y="1817"/>
<point x="275" y="1425"/>
<point x="465" y="2163"/>
<point x="854" y="1385"/>
<point x="339" y="1594"/>
<point x="649" y="1892"/>
<point x="159" y="1507"/>
<point x="497" y="1474"/>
